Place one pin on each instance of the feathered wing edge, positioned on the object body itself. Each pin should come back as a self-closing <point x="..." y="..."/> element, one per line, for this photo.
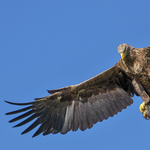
<point x="73" y="115"/>
<point x="82" y="112"/>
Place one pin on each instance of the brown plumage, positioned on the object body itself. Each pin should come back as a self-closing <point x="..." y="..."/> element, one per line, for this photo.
<point x="101" y="97"/>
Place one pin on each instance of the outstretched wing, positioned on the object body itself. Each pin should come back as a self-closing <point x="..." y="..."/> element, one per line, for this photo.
<point x="78" y="106"/>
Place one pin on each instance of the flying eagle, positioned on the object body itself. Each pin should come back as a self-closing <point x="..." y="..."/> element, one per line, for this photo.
<point x="101" y="97"/>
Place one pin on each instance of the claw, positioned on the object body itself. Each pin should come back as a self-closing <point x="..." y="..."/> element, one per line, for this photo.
<point x="145" y="110"/>
<point x="142" y="107"/>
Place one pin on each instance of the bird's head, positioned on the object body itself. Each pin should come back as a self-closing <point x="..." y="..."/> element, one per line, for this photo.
<point x="123" y="50"/>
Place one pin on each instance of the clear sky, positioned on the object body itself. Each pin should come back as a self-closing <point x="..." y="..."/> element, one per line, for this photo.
<point x="51" y="44"/>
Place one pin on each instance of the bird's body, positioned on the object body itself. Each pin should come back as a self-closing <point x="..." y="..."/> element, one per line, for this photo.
<point x="137" y="65"/>
<point x="103" y="96"/>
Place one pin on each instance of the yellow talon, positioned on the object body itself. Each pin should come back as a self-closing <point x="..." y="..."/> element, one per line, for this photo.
<point x="145" y="110"/>
<point x="142" y="107"/>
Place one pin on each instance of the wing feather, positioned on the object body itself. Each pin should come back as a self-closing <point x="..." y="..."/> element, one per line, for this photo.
<point x="22" y="116"/>
<point x="82" y="114"/>
<point x="75" y="124"/>
<point x="26" y="120"/>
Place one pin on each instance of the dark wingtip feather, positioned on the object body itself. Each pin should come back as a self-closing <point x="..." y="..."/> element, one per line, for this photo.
<point x="55" y="90"/>
<point x="32" y="126"/>
<point x="39" y="131"/>
<point x="22" y="116"/>
<point x="19" y="103"/>
<point x="33" y="136"/>
<point x="20" y="110"/>
<point x="26" y="120"/>
<point x="52" y="91"/>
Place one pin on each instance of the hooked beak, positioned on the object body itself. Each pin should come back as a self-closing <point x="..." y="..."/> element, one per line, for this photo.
<point x="123" y="55"/>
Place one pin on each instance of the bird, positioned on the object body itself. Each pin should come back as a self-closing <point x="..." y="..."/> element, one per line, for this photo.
<point x="94" y="100"/>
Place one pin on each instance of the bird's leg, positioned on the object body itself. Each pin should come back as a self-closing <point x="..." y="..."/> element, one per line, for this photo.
<point x="144" y="107"/>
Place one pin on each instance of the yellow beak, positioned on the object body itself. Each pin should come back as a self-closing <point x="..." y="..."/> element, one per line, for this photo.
<point x="123" y="55"/>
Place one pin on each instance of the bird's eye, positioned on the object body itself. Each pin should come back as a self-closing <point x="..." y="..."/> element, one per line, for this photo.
<point x="124" y="52"/>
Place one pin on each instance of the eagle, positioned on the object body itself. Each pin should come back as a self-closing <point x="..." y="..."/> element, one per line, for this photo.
<point x="83" y="105"/>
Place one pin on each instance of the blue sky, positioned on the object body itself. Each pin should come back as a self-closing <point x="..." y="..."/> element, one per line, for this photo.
<point x="51" y="44"/>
